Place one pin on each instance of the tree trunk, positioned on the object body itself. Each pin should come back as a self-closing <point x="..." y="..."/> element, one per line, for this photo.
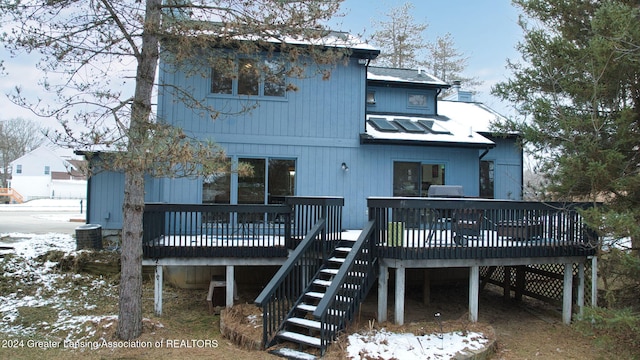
<point x="130" y="309"/>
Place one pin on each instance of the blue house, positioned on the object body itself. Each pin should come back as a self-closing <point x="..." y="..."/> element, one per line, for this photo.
<point x="365" y="131"/>
<point x="366" y="148"/>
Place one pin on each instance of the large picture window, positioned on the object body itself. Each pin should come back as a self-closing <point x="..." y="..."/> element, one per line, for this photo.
<point x="249" y="77"/>
<point x="415" y="178"/>
<point x="216" y="188"/>
<point x="270" y="181"/>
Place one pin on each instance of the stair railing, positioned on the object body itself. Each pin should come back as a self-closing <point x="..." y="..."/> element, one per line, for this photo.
<point x="289" y="283"/>
<point x="348" y="288"/>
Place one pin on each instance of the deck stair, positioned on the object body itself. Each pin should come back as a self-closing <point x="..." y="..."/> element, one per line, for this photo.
<point x="12" y="195"/>
<point x="329" y="301"/>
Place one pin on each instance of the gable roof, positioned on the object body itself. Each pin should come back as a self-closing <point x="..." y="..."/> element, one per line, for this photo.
<point x="404" y="76"/>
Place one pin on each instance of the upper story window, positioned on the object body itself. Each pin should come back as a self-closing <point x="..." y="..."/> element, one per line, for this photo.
<point x="18" y="169"/>
<point x="47" y="170"/>
<point x="417" y="100"/>
<point x="249" y="77"/>
<point x="371" y="97"/>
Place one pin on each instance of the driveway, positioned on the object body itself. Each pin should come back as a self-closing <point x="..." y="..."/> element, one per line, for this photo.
<point x="42" y="217"/>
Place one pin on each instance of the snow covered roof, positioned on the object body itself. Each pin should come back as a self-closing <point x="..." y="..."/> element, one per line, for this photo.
<point x="426" y="130"/>
<point x="321" y="37"/>
<point x="407" y="76"/>
<point x="474" y="115"/>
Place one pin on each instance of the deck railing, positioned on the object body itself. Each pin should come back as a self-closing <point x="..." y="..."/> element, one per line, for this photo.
<point x="349" y="287"/>
<point x="283" y="292"/>
<point x="216" y="230"/>
<point x="12" y="194"/>
<point x="198" y="230"/>
<point x="462" y="228"/>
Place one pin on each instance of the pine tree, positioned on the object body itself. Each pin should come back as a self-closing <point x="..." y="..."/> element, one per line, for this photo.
<point x="400" y="38"/>
<point x="446" y="63"/>
<point x="578" y="91"/>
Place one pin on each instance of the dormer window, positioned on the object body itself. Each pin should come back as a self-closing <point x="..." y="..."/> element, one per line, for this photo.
<point x="417" y="100"/>
<point x="371" y="97"/>
<point x="249" y="77"/>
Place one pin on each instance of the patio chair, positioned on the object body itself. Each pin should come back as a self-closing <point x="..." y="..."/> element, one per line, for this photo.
<point x="466" y="223"/>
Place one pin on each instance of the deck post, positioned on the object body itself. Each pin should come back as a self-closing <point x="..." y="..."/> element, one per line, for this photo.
<point x="594" y="281"/>
<point x="474" y="292"/>
<point x="520" y="281"/>
<point x="567" y="293"/>
<point x="157" y="291"/>
<point x="506" y="283"/>
<point x="383" y="291"/>
<point x="580" y="289"/>
<point x="399" y="304"/>
<point x="229" y="285"/>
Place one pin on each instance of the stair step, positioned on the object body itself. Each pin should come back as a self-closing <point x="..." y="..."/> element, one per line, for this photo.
<point x="307" y="307"/>
<point x="312" y="308"/>
<point x="335" y="271"/>
<point x="319" y="282"/>
<point x="307" y="323"/>
<point x="337" y="259"/>
<point x="292" y="354"/>
<point x="343" y="249"/>
<point x="300" y="338"/>
<point x="314" y="294"/>
<point x="329" y="271"/>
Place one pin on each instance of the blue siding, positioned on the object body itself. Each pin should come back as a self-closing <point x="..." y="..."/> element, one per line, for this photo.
<point x="508" y="160"/>
<point x="319" y="110"/>
<point x="318" y="125"/>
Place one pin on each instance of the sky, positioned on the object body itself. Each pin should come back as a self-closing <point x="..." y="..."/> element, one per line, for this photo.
<point x="485" y="31"/>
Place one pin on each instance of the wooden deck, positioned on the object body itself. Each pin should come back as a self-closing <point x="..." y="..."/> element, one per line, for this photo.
<point x="402" y="233"/>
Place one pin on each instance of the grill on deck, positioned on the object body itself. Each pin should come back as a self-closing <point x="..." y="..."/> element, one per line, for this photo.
<point x="445" y="191"/>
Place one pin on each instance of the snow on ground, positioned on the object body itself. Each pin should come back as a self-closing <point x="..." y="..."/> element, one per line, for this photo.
<point x="388" y="345"/>
<point x="32" y="284"/>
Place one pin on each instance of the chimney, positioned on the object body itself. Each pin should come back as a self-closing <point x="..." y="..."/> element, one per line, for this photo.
<point x="460" y="95"/>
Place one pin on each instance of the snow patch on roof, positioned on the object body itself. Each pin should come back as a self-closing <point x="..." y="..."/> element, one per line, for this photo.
<point x="476" y="115"/>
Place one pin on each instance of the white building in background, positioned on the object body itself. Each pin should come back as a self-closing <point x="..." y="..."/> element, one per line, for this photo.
<point x="47" y="173"/>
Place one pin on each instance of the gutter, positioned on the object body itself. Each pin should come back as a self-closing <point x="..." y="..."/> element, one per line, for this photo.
<point x="484" y="153"/>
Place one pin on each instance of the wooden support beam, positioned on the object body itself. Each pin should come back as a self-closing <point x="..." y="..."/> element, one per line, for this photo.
<point x="506" y="283"/>
<point x="157" y="291"/>
<point x="581" y="283"/>
<point x="487" y="277"/>
<point x="567" y="293"/>
<point x="594" y="281"/>
<point x="230" y="286"/>
<point x="383" y="291"/>
<point x="400" y="289"/>
<point x="474" y="292"/>
<point x="520" y="281"/>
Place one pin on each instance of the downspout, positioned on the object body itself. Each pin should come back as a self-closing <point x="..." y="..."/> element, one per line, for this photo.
<point x="484" y="153"/>
<point x="366" y="86"/>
